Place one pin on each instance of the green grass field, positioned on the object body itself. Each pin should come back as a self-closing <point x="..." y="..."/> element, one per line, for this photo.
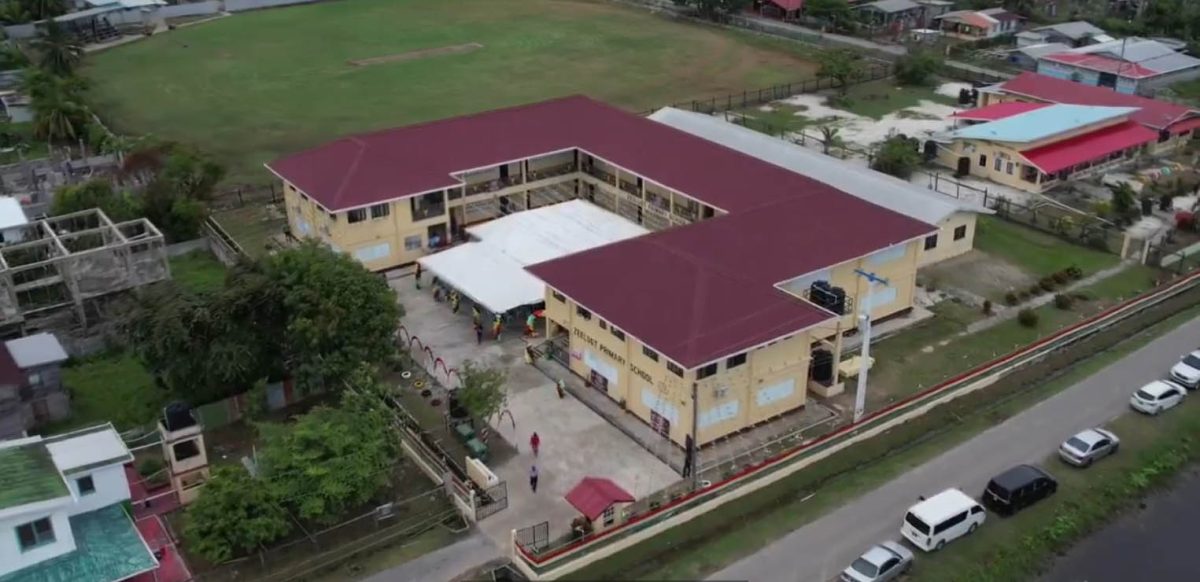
<point x="257" y="85"/>
<point x="198" y="271"/>
<point x="1036" y="252"/>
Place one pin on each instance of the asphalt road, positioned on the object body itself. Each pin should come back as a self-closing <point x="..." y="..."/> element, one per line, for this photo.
<point x="1152" y="544"/>
<point x="818" y="551"/>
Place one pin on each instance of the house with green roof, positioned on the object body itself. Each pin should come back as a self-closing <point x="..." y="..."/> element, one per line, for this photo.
<point x="62" y="515"/>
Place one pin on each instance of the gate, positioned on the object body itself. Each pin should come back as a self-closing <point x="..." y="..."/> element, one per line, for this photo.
<point x="534" y="538"/>
<point x="492" y="500"/>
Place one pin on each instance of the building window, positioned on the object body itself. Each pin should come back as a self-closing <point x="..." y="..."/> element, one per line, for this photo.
<point x="185" y="450"/>
<point x="304" y="197"/>
<point x="620" y="334"/>
<point x="35" y="534"/>
<point x="709" y="370"/>
<point x="1163" y="136"/>
<point x="610" y="515"/>
<point x="675" y="369"/>
<point x="735" y="361"/>
<point x="85" y="485"/>
<point x="931" y="242"/>
<point x="998" y="163"/>
<point x="649" y="353"/>
<point x="412" y="243"/>
<point x="356" y="215"/>
<point x="960" y="232"/>
<point x="381" y="210"/>
<point x="982" y="161"/>
<point x="558" y="296"/>
<point x="581" y="312"/>
<point x="35" y="379"/>
<point x="603" y="324"/>
<point x="1008" y="168"/>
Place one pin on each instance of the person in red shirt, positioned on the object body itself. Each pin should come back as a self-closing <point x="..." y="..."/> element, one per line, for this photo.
<point x="534" y="442"/>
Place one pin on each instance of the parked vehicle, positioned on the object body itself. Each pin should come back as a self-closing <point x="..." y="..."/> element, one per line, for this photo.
<point x="1187" y="372"/>
<point x="1088" y="446"/>
<point x="883" y="562"/>
<point x="941" y="519"/>
<point x="1018" y="488"/>
<point x="1157" y="396"/>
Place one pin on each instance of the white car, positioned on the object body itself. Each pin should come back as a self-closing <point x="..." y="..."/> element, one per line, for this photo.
<point x="883" y="562"/>
<point x="1187" y="372"/>
<point x="1088" y="446"/>
<point x="1157" y="396"/>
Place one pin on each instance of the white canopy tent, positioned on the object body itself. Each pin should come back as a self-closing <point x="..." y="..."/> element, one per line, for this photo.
<point x="490" y="270"/>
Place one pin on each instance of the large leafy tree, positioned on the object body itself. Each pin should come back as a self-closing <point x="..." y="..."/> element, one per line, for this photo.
<point x="842" y="66"/>
<point x="57" y="103"/>
<point x="332" y="459"/>
<point x="482" y="392"/>
<point x="715" y="9"/>
<point x="100" y="194"/>
<point x="338" y="314"/>
<point x="58" y="51"/>
<point x="897" y="156"/>
<point x="835" y="12"/>
<point x="917" y="67"/>
<point x="234" y="515"/>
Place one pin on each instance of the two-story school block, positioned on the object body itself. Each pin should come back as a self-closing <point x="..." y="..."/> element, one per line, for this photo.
<point x="739" y="292"/>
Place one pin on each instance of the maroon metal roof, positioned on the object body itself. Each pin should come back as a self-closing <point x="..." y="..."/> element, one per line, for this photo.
<point x="10" y="372"/>
<point x="1152" y="113"/>
<point x="595" y="494"/>
<point x="694" y="293"/>
<point x="1089" y="146"/>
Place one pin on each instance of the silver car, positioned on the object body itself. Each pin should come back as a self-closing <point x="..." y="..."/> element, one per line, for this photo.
<point x="1088" y="446"/>
<point x="886" y="561"/>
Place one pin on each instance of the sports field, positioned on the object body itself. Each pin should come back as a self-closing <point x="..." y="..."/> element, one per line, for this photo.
<point x="256" y="85"/>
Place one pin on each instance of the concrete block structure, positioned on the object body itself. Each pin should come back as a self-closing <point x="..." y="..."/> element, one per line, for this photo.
<point x="31" y="390"/>
<point x="725" y="315"/>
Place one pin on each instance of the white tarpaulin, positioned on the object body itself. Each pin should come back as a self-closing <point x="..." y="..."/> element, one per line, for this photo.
<point x="491" y="270"/>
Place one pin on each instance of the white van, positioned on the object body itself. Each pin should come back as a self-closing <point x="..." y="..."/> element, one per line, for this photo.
<point x="932" y="523"/>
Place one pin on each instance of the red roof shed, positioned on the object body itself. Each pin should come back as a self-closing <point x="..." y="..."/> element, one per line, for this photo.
<point x="593" y="495"/>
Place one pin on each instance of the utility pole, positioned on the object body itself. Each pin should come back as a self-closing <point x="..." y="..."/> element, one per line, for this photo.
<point x="864" y="326"/>
<point x="694" y="450"/>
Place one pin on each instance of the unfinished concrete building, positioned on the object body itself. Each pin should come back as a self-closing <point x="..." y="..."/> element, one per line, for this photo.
<point x="62" y="264"/>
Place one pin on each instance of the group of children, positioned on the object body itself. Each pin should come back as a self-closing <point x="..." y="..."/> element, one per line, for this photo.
<point x="476" y="317"/>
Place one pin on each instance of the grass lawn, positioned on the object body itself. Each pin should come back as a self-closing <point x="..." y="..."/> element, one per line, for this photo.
<point x="1138" y="435"/>
<point x="374" y="561"/>
<point x="779" y="118"/>
<point x="878" y="98"/>
<point x="112" y="387"/>
<point x="1188" y="91"/>
<point x="31" y="147"/>
<point x="198" y="271"/>
<point x="261" y="84"/>
<point x="1036" y="252"/>
<point x="744" y="536"/>
<point x="252" y="226"/>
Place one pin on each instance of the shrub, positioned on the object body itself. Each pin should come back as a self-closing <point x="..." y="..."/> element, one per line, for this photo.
<point x="1011" y="298"/>
<point x="1027" y="318"/>
<point x="1024" y="295"/>
<point x="1035" y="290"/>
<point x="1061" y="277"/>
<point x="1074" y="272"/>
<point x="1047" y="284"/>
<point x="150" y="466"/>
<point x="1063" y="301"/>
<point x="898" y="156"/>
<point x="987" y="307"/>
<point x="917" y="67"/>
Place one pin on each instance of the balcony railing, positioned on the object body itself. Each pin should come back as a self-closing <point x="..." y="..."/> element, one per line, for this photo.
<point x="421" y="212"/>
<point x="689" y="212"/>
<point x="601" y="175"/>
<point x="492" y="185"/>
<point x="630" y="188"/>
<point x="551" y="172"/>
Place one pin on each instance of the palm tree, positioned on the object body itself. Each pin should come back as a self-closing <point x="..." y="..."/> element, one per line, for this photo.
<point x="829" y="137"/>
<point x="43" y="9"/>
<point x="58" y="117"/>
<point x="59" y="52"/>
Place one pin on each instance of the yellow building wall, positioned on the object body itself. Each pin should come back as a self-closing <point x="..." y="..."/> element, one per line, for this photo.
<point x="947" y="247"/>
<point x="772" y="381"/>
<point x="948" y="156"/>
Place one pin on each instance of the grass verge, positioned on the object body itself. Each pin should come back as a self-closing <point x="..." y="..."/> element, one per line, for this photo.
<point x="1153" y="451"/>
<point x="111" y="387"/>
<point x="199" y="272"/>
<point x="1036" y="252"/>
<point x="879" y="98"/>
<point x="745" y="525"/>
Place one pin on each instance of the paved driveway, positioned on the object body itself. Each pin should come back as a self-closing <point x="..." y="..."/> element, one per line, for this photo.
<point x="818" y="551"/>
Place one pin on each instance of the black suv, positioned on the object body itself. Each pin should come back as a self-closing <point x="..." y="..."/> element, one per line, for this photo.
<point x="1018" y="488"/>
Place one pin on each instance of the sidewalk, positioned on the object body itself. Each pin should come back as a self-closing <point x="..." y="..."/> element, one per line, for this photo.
<point x="1006" y="313"/>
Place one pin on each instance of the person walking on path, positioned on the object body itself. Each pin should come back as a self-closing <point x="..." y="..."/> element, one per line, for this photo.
<point x="478" y="334"/>
<point x="530" y="322"/>
<point x="534" y="442"/>
<point x="475" y="314"/>
<point x="417" y="277"/>
<point x="496" y="327"/>
<point x="454" y="301"/>
<point x="533" y="476"/>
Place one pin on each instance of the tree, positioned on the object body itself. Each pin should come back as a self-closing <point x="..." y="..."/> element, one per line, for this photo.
<point x="43" y="9"/>
<point x="842" y="66"/>
<point x="190" y="174"/>
<point x="829" y="138"/>
<point x="1124" y="201"/>
<point x="715" y="9"/>
<point x="835" y="12"/>
<point x="897" y="156"/>
<point x="57" y="103"/>
<point x="59" y="52"/>
<point x="119" y="206"/>
<point x="332" y="459"/>
<point x="234" y="515"/>
<point x="338" y="314"/>
<point x="482" y="393"/>
<point x="917" y="67"/>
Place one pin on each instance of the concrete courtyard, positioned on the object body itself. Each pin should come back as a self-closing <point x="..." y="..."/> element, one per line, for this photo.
<point x="575" y="441"/>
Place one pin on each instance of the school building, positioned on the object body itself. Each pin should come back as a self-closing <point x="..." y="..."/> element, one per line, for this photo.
<point x="738" y="292"/>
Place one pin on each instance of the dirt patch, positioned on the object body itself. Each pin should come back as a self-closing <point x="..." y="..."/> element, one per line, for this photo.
<point x="981" y="274"/>
<point x="457" y="49"/>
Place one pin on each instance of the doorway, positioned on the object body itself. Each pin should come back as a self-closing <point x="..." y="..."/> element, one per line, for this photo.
<point x="660" y="424"/>
<point x="598" y="381"/>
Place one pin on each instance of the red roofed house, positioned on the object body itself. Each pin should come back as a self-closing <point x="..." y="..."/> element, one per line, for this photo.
<point x="601" y="502"/>
<point x="1130" y="65"/>
<point x="978" y="24"/>
<point x="1174" y="123"/>
<point x="739" y="294"/>
<point x="782" y="9"/>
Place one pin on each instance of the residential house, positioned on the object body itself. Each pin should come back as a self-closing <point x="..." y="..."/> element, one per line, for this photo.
<point x="978" y="24"/>
<point x="31" y="390"/>
<point x="1073" y="34"/>
<point x="1037" y="146"/>
<point x="12" y="220"/>
<point x="1131" y="65"/>
<point x="781" y="9"/>
<point x="62" y="510"/>
<point x="1026" y="57"/>
<point x="602" y="502"/>
<point x="1174" y="123"/>
<point x="896" y="15"/>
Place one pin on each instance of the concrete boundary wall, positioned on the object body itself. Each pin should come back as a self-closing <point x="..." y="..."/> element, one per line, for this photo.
<point x="580" y="554"/>
<point x="189" y="9"/>
<point x="243" y="5"/>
